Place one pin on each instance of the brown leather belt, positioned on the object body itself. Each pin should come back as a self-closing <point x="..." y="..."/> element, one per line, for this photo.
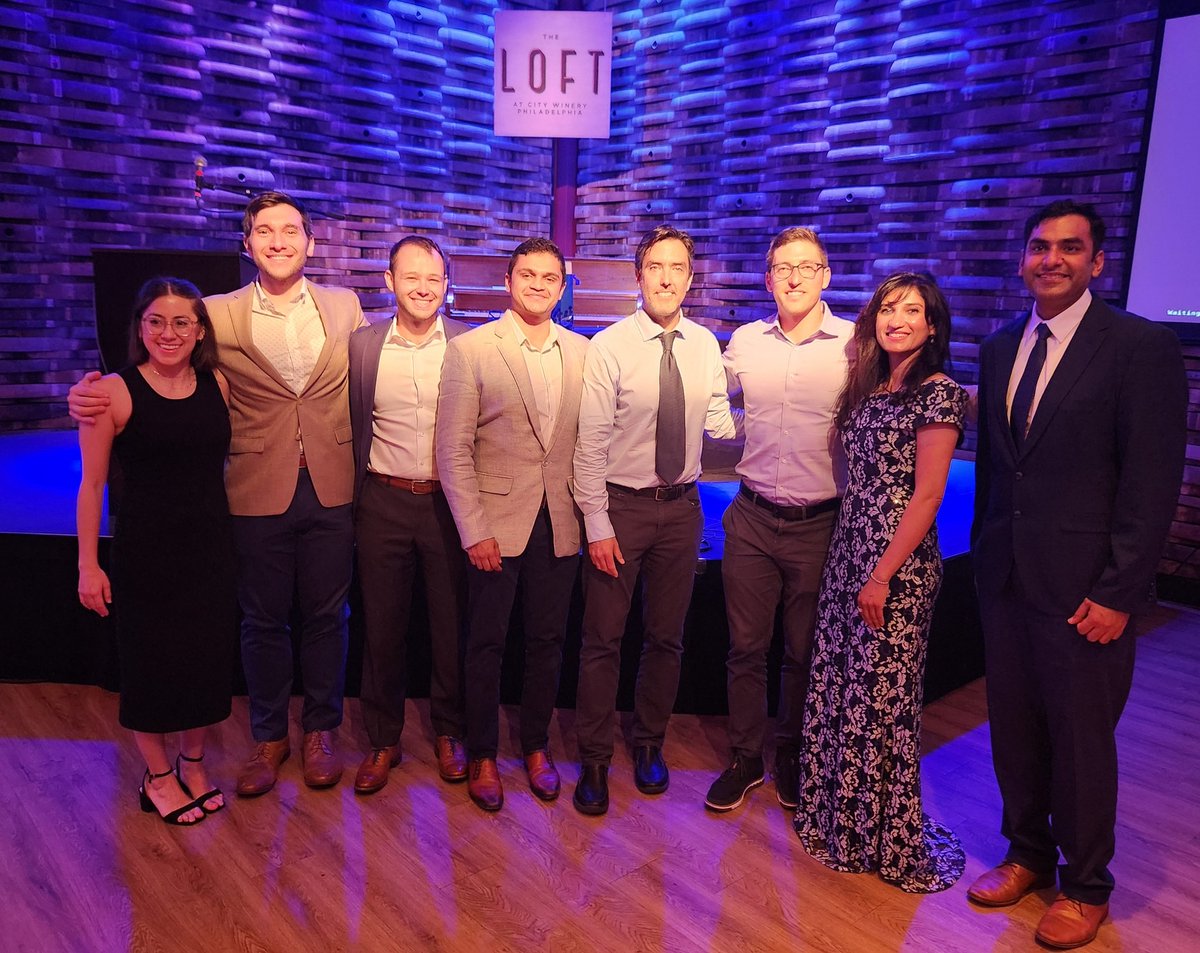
<point x="660" y="494"/>
<point x="417" y="487"/>
<point x="791" y="513"/>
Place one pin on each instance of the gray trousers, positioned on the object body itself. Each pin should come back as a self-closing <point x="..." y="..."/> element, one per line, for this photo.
<point x="769" y="562"/>
<point x="660" y="543"/>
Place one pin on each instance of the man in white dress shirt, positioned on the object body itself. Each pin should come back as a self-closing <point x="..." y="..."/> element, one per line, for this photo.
<point x="403" y="524"/>
<point x="653" y="385"/>
<point x="790" y="369"/>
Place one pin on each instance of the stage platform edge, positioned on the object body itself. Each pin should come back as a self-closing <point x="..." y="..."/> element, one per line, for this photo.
<point x="48" y="636"/>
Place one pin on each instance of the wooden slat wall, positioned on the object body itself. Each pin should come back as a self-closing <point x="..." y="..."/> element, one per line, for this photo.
<point x="912" y="135"/>
<point x="378" y="115"/>
<point x="915" y="134"/>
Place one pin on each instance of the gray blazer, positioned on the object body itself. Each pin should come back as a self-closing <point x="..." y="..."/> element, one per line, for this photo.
<point x="494" y="466"/>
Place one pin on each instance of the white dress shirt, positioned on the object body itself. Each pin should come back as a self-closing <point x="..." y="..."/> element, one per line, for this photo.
<point x="545" y="367"/>
<point x="1062" y="329"/>
<point x="405" y="410"/>
<point x="792" y="455"/>
<point x="290" y="340"/>
<point x="619" y="409"/>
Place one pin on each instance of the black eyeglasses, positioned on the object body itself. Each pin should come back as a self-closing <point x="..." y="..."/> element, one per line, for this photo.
<point x="807" y="269"/>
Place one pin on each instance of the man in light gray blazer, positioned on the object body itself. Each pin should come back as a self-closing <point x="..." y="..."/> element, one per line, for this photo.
<point x="507" y="421"/>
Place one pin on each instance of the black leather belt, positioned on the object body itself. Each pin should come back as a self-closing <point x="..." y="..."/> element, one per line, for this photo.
<point x="660" y="494"/>
<point x="792" y="513"/>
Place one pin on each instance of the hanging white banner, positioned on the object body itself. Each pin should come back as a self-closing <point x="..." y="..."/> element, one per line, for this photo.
<point x="553" y="74"/>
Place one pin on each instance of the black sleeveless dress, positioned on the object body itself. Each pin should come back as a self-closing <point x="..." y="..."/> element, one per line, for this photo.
<point x="174" y="595"/>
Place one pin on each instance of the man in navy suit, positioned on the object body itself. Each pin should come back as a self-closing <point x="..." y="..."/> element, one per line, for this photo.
<point x="1082" y="422"/>
<point x="402" y="521"/>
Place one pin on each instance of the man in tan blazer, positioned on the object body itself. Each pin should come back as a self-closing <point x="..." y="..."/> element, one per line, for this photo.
<point x="282" y="345"/>
<point x="507" y="421"/>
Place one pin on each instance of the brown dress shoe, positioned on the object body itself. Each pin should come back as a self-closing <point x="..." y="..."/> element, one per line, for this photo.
<point x="322" y="763"/>
<point x="373" y="772"/>
<point x="1006" y="884"/>
<point x="259" y="773"/>
<point x="483" y="784"/>
<point x="543" y="776"/>
<point x="1070" y="923"/>
<point x="451" y="759"/>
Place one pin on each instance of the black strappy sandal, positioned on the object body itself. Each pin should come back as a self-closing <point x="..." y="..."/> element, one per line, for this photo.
<point x="200" y="801"/>
<point x="150" y="808"/>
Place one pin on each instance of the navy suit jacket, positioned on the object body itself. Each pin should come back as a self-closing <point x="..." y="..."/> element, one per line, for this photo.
<point x="1083" y="510"/>
<point x="366" y="345"/>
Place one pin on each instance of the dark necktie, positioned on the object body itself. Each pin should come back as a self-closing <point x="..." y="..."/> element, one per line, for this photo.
<point x="669" y="433"/>
<point x="1023" y="398"/>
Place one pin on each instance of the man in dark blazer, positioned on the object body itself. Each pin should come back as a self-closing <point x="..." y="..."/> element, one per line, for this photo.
<point x="1082" y="418"/>
<point x="402" y="521"/>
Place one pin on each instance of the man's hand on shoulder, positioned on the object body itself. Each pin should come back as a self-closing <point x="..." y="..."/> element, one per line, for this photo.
<point x="86" y="401"/>
<point x="1098" y="623"/>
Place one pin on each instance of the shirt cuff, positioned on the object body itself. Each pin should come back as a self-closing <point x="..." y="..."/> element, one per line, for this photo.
<point x="598" y="526"/>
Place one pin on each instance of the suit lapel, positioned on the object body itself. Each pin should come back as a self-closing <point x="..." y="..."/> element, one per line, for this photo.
<point x="572" y="389"/>
<point x="1087" y="339"/>
<point x="240" y="317"/>
<point x="510" y="351"/>
<point x="370" y="364"/>
<point x="325" y="313"/>
<point x="1008" y="339"/>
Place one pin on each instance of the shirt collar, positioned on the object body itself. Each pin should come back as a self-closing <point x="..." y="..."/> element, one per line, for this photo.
<point x="263" y="303"/>
<point x="826" y="329"/>
<point x="518" y="327"/>
<point x="395" y="337"/>
<point x="551" y="339"/>
<point x="649" y="329"/>
<point x="1065" y="322"/>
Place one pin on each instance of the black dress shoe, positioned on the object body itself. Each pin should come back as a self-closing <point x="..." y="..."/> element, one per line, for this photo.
<point x="591" y="793"/>
<point x="650" y="770"/>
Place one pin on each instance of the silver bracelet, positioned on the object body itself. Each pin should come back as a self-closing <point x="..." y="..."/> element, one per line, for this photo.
<point x="875" y="579"/>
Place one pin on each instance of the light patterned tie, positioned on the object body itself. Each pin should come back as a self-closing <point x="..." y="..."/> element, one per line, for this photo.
<point x="670" y="441"/>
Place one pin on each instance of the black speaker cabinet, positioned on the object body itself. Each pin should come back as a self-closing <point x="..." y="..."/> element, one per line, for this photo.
<point x="120" y="272"/>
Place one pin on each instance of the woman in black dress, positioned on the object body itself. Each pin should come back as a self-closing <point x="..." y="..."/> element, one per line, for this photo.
<point x="900" y="418"/>
<point x="172" y="588"/>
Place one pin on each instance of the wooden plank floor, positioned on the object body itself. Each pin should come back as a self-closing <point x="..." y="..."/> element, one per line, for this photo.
<point x="418" y="867"/>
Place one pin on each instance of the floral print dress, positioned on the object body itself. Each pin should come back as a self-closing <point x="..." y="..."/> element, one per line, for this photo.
<point x="860" y="796"/>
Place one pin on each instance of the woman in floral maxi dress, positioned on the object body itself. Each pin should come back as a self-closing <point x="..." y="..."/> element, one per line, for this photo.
<point x="899" y="419"/>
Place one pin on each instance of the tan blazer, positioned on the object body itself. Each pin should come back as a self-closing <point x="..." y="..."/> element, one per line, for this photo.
<point x="494" y="465"/>
<point x="269" y="420"/>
